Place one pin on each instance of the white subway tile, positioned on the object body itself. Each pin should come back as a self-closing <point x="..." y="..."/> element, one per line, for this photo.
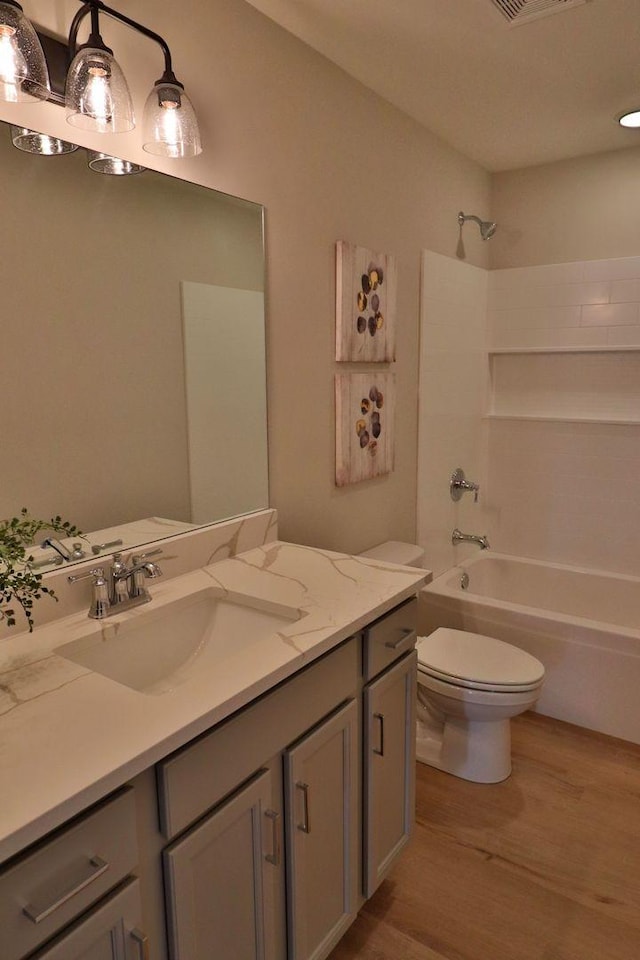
<point x="534" y="318"/>
<point x="554" y="295"/>
<point x="625" y="290"/>
<point x="623" y="268"/>
<point x="610" y="314"/>
<point x="624" y="336"/>
<point x="519" y="278"/>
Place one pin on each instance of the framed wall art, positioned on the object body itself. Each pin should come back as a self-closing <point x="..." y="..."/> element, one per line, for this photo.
<point x="365" y="405"/>
<point x="365" y="304"/>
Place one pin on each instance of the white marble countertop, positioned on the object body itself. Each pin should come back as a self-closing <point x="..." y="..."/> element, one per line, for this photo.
<point x="68" y="736"/>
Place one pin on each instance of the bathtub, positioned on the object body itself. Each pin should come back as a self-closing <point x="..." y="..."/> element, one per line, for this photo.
<point x="584" y="625"/>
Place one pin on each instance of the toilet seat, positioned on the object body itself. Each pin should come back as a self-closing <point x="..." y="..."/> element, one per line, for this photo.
<point x="477" y="662"/>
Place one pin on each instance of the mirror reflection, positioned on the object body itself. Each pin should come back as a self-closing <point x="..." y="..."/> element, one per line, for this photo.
<point x="133" y="349"/>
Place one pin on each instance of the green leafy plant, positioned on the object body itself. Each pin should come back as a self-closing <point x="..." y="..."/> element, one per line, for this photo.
<point x="19" y="584"/>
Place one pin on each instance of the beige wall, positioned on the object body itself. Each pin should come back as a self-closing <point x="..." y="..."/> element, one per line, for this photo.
<point x="330" y="160"/>
<point x="582" y="209"/>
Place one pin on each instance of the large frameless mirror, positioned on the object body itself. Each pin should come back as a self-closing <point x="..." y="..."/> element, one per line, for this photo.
<point x="133" y="350"/>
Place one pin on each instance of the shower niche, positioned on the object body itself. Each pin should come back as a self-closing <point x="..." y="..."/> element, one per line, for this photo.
<point x="590" y="385"/>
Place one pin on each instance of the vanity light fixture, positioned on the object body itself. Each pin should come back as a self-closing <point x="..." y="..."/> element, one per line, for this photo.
<point x="97" y="94"/>
<point x="23" y="68"/>
<point x="31" y="141"/>
<point x="103" y="163"/>
<point x="97" y="97"/>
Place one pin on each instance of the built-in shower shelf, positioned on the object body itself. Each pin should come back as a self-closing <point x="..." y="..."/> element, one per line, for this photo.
<point x="577" y="385"/>
<point x="517" y="351"/>
<point x="559" y="419"/>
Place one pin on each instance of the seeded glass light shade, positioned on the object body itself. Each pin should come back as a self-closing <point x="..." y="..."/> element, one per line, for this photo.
<point x="170" y="127"/>
<point x="23" y="69"/>
<point x="31" y="141"/>
<point x="97" y="96"/>
<point x="103" y="163"/>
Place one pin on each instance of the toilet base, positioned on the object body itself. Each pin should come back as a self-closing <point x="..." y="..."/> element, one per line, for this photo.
<point x="476" y="750"/>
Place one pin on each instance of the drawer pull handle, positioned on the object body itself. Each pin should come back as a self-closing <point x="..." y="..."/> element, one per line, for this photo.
<point x="142" y="942"/>
<point x="380" y="717"/>
<point x="405" y="633"/>
<point x="304" y="826"/>
<point x="38" y="912"/>
<point x="274" y="857"/>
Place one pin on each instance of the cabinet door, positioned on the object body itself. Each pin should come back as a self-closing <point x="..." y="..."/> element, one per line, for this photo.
<point x="389" y="767"/>
<point x="224" y="881"/>
<point x="322" y="801"/>
<point x="108" y="932"/>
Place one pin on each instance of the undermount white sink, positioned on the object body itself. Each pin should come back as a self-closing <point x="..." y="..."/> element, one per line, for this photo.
<point x="154" y="649"/>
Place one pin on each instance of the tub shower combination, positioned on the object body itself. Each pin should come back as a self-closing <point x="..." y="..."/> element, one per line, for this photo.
<point x="584" y="626"/>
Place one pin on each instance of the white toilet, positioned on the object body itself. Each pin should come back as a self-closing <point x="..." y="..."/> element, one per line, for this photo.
<point x="469" y="687"/>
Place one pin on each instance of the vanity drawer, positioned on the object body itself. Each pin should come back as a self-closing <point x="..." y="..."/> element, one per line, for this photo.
<point x="202" y="773"/>
<point x="389" y="638"/>
<point x="58" y="878"/>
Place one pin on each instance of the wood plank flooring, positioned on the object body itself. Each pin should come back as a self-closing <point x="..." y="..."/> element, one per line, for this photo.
<point x="545" y="866"/>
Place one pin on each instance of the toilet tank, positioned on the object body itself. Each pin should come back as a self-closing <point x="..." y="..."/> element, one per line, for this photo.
<point x="395" y="551"/>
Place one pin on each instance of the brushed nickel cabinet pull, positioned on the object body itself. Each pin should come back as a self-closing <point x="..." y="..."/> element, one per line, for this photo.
<point x="380" y="717"/>
<point x="304" y="826"/>
<point x="142" y="943"/>
<point x="274" y="857"/>
<point x="36" y="912"/>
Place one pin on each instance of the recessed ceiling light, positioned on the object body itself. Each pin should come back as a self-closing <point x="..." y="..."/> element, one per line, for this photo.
<point x="630" y="119"/>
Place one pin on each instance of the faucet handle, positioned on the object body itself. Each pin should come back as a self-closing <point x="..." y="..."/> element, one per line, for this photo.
<point x="97" y="573"/>
<point x="100" y="603"/>
<point x="459" y="483"/>
<point x="141" y="557"/>
<point x="97" y="548"/>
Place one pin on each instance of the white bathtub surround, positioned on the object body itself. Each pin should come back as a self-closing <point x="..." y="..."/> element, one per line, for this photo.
<point x="582" y="624"/>
<point x="564" y="342"/>
<point x="588" y="303"/>
<point x="69" y="735"/>
<point x="554" y="440"/>
<point x="452" y="402"/>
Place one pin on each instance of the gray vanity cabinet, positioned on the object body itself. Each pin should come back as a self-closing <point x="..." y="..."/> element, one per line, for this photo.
<point x="322" y="801"/>
<point x="109" y="932"/>
<point x="389" y="768"/>
<point x="263" y="835"/>
<point x="222" y="800"/>
<point x="223" y="881"/>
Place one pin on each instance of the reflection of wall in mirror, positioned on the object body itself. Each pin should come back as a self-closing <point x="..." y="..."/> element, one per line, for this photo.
<point x="94" y="399"/>
<point x="226" y="388"/>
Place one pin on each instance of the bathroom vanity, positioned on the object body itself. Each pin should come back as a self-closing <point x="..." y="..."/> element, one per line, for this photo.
<point x="245" y="810"/>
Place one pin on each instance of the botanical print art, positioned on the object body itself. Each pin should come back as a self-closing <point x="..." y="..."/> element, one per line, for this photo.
<point x="365" y="304"/>
<point x="364" y="426"/>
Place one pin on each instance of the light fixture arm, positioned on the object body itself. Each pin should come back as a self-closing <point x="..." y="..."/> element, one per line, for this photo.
<point x="94" y="7"/>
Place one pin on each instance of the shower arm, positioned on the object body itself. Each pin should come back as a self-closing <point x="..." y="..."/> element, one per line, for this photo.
<point x="462" y="217"/>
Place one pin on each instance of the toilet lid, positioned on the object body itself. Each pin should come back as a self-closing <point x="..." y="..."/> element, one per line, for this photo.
<point x="473" y="660"/>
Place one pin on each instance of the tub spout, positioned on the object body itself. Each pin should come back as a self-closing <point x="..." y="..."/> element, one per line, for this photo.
<point x="459" y="537"/>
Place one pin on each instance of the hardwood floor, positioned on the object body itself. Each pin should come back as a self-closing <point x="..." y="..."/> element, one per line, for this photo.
<point x="545" y="866"/>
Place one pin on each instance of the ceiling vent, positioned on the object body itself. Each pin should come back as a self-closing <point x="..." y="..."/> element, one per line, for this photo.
<point x="521" y="11"/>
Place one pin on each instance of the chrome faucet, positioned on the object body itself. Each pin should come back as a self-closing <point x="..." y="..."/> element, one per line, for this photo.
<point x="459" y="537"/>
<point x="123" y="587"/>
<point x="59" y="548"/>
<point x="458" y="484"/>
<point x="128" y="582"/>
<point x="76" y="552"/>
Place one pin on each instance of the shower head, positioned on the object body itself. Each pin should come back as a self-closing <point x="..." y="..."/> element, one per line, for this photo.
<point x="487" y="227"/>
